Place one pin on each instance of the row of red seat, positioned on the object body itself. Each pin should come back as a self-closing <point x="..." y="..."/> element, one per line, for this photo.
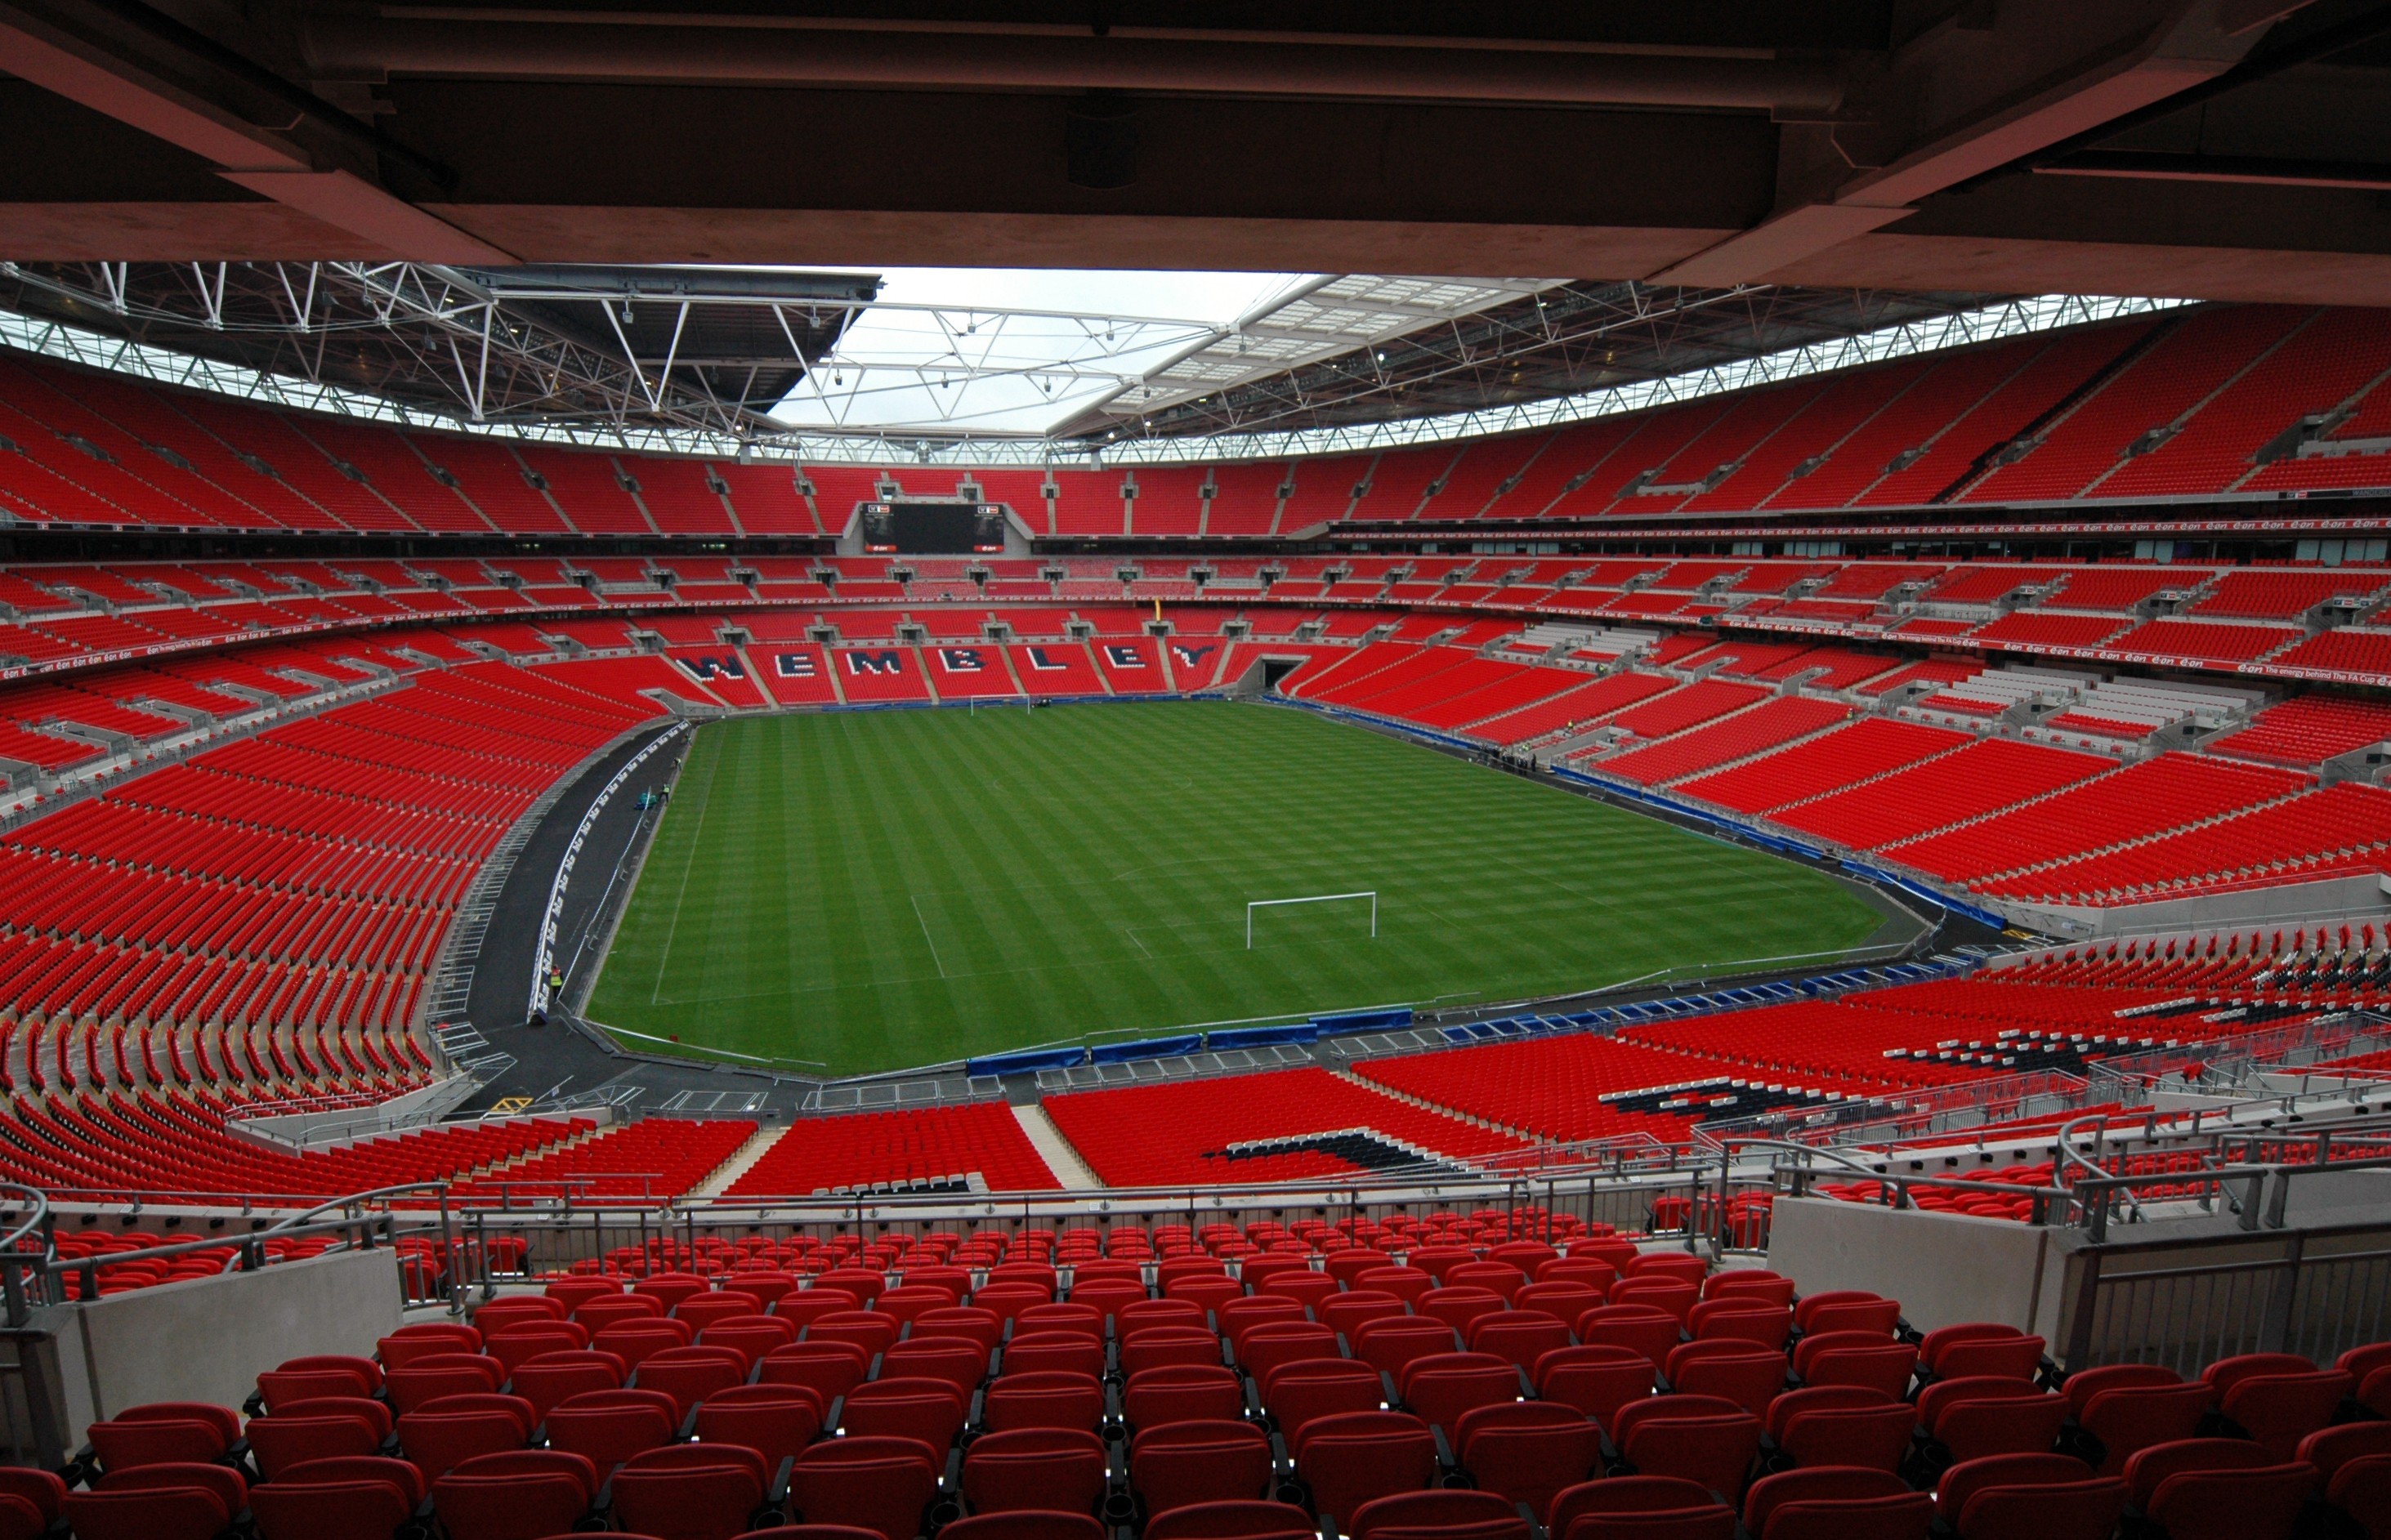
<point x="907" y="1148"/>
<point x="1454" y="1393"/>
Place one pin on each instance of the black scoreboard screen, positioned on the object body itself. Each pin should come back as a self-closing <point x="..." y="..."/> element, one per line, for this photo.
<point x="933" y="529"/>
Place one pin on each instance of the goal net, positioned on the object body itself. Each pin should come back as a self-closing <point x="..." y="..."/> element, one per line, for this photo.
<point x="1371" y="897"/>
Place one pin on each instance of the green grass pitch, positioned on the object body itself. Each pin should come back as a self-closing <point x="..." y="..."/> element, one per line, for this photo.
<point x="871" y="891"/>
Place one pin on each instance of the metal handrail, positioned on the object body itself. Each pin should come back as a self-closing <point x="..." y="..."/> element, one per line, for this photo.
<point x="2068" y="1152"/>
<point x="16" y="1268"/>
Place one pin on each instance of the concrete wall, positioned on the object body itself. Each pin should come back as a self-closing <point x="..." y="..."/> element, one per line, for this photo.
<point x="2352" y="898"/>
<point x="335" y="1126"/>
<point x="1942" y="1267"/>
<point x="207" y="1340"/>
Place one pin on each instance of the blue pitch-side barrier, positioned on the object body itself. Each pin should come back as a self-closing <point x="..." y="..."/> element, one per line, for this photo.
<point x="1028" y="1061"/>
<point x="1363" y="1020"/>
<point x="1146" y="1048"/>
<point x="1919" y="890"/>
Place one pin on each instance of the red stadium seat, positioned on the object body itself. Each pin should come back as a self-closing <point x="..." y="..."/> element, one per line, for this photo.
<point x="1034" y="1469"/>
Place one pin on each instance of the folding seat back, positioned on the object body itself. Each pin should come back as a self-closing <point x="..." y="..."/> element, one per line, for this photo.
<point x="1306" y="1288"/>
<point x="1232" y="1521"/>
<point x="1346" y="1313"/>
<point x="1440" y="1388"/>
<point x="1521" y="1336"/>
<point x="1353" y="1457"/>
<point x="2132" y="1418"/>
<point x="1526" y="1255"/>
<point x="1438" y="1515"/>
<point x="1168" y="1344"/>
<point x="2029" y="1496"/>
<point x="1701" y="1438"/>
<point x="612" y="1426"/>
<point x="875" y="1334"/>
<point x="1106" y="1296"/>
<point x="1322" y="1387"/>
<point x="1669" y="1294"/>
<point x="690" y="1374"/>
<point x="2281" y="1410"/>
<point x="1048" y="1398"/>
<point x="670" y="1289"/>
<point x="1025" y="1524"/>
<point x="749" y="1335"/>
<point x="1646" y="1329"/>
<point x="442" y="1373"/>
<point x="880" y="1484"/>
<point x="1857" y="1358"/>
<point x="448" y="1430"/>
<point x="802" y="1310"/>
<point x="1005" y="1301"/>
<point x="2225" y="1373"/>
<point x="31" y="1501"/>
<point x="1141" y="1315"/>
<point x="1436" y="1262"/>
<point x="1846" y="1310"/>
<point x="1592" y="1271"/>
<point x="1746" y="1319"/>
<point x="1748" y="1283"/>
<point x="830" y="1369"/>
<point x="1836" y="1503"/>
<point x="514" y="1346"/>
<point x="322" y="1428"/>
<point x="191" y="1510"/>
<point x="1594" y="1379"/>
<point x="1179" y="1463"/>
<point x="1681" y="1266"/>
<point x="777" y="1422"/>
<point x="957" y="1360"/>
<point x="1984" y="1348"/>
<point x="2361" y="1489"/>
<point x="1563" y="1299"/>
<point x="1874" y="1437"/>
<point x="984" y="1328"/>
<point x="1181" y="1393"/>
<point x="2331" y="1448"/>
<point x="691" y="1492"/>
<point x="614" y="1309"/>
<point x="1054" y="1469"/>
<point x="2084" y="1384"/>
<point x="2260" y="1503"/>
<point x="1497" y="1278"/>
<point x="1639" y="1507"/>
<point x="411" y="1343"/>
<point x="163" y="1433"/>
<point x="1458" y="1304"/>
<point x="573" y="1293"/>
<point x="1266" y="1347"/>
<point x="1527" y="1451"/>
<point x="1745" y="1373"/>
<point x="909" y="1302"/>
<point x="318" y="1376"/>
<point x="515" y="1309"/>
<point x="930" y="1411"/>
<point x="515" y="1495"/>
<point x="2151" y="1468"/>
<point x="1406" y="1284"/>
<point x="1069" y="1353"/>
<point x="1241" y="1317"/>
<point x="703" y="1310"/>
<point x="1387" y="1345"/>
<point x="356" y="1497"/>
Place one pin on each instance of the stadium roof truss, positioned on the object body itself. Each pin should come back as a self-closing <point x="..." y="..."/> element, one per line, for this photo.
<point x="697" y="348"/>
<point x="684" y="361"/>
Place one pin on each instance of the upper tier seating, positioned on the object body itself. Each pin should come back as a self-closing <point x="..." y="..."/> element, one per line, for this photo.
<point x="915" y="1149"/>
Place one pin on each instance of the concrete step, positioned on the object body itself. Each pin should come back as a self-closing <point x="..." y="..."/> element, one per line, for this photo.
<point x="741" y="1159"/>
<point x="1055" y="1150"/>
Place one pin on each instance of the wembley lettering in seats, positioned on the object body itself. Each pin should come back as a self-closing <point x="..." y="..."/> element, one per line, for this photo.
<point x="962" y="660"/>
<point x="794" y="665"/>
<point x="714" y="665"/>
<point x="1118" y="656"/>
<point x="888" y="661"/>
<point x="1188" y="656"/>
<point x="1043" y="664"/>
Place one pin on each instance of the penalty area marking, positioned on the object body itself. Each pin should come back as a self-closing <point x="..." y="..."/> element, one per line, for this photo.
<point x="925" y="924"/>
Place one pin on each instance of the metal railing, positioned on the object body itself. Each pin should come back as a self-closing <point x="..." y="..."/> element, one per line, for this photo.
<point x="363" y="1221"/>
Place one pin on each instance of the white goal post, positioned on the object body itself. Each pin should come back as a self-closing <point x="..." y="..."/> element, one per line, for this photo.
<point x="1316" y="898"/>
